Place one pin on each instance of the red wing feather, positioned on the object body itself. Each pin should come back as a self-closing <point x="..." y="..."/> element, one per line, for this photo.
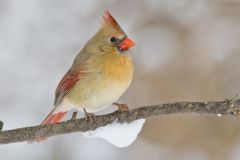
<point x="67" y="82"/>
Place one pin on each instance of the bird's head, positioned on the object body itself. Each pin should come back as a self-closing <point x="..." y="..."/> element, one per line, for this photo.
<point x="111" y="38"/>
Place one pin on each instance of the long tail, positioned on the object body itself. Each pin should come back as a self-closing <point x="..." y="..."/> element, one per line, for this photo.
<point x="51" y="118"/>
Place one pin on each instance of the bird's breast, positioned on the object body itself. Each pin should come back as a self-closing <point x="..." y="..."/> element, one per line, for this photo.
<point x="118" y="69"/>
<point x="103" y="85"/>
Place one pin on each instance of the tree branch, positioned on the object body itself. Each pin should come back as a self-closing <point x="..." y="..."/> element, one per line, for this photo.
<point x="226" y="107"/>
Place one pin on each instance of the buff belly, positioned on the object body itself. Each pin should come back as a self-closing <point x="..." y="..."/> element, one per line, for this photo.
<point x="94" y="94"/>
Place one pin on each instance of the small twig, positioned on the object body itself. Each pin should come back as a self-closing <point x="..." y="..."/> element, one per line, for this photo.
<point x="226" y="107"/>
<point x="1" y="125"/>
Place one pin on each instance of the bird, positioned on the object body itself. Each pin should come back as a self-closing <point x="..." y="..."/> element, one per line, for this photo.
<point x="100" y="73"/>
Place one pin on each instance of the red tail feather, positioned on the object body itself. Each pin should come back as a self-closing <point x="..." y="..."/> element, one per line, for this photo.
<point x="53" y="118"/>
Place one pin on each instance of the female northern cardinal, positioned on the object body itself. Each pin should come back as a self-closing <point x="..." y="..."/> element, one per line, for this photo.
<point x="99" y="75"/>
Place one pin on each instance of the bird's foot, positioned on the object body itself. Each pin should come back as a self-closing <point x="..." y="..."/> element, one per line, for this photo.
<point x="89" y="116"/>
<point x="121" y="107"/>
<point x="74" y="115"/>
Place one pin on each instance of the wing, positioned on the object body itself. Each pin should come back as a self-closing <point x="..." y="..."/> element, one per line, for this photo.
<point x="65" y="85"/>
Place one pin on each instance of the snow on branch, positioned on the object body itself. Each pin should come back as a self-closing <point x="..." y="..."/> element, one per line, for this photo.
<point x="226" y="107"/>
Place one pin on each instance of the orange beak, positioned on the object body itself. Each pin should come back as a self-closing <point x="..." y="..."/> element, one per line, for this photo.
<point x="126" y="44"/>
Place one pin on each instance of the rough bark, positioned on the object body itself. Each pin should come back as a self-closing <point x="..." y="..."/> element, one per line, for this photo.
<point x="226" y="107"/>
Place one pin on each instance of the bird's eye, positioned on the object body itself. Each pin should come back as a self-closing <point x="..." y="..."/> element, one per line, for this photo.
<point x="113" y="39"/>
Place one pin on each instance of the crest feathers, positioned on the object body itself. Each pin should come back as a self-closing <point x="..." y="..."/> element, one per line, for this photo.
<point x="109" y="20"/>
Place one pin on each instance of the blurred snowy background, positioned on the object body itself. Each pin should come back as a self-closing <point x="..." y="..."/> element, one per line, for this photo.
<point x="186" y="50"/>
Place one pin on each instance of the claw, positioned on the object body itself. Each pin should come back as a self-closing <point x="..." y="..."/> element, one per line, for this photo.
<point x="89" y="116"/>
<point x="121" y="107"/>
